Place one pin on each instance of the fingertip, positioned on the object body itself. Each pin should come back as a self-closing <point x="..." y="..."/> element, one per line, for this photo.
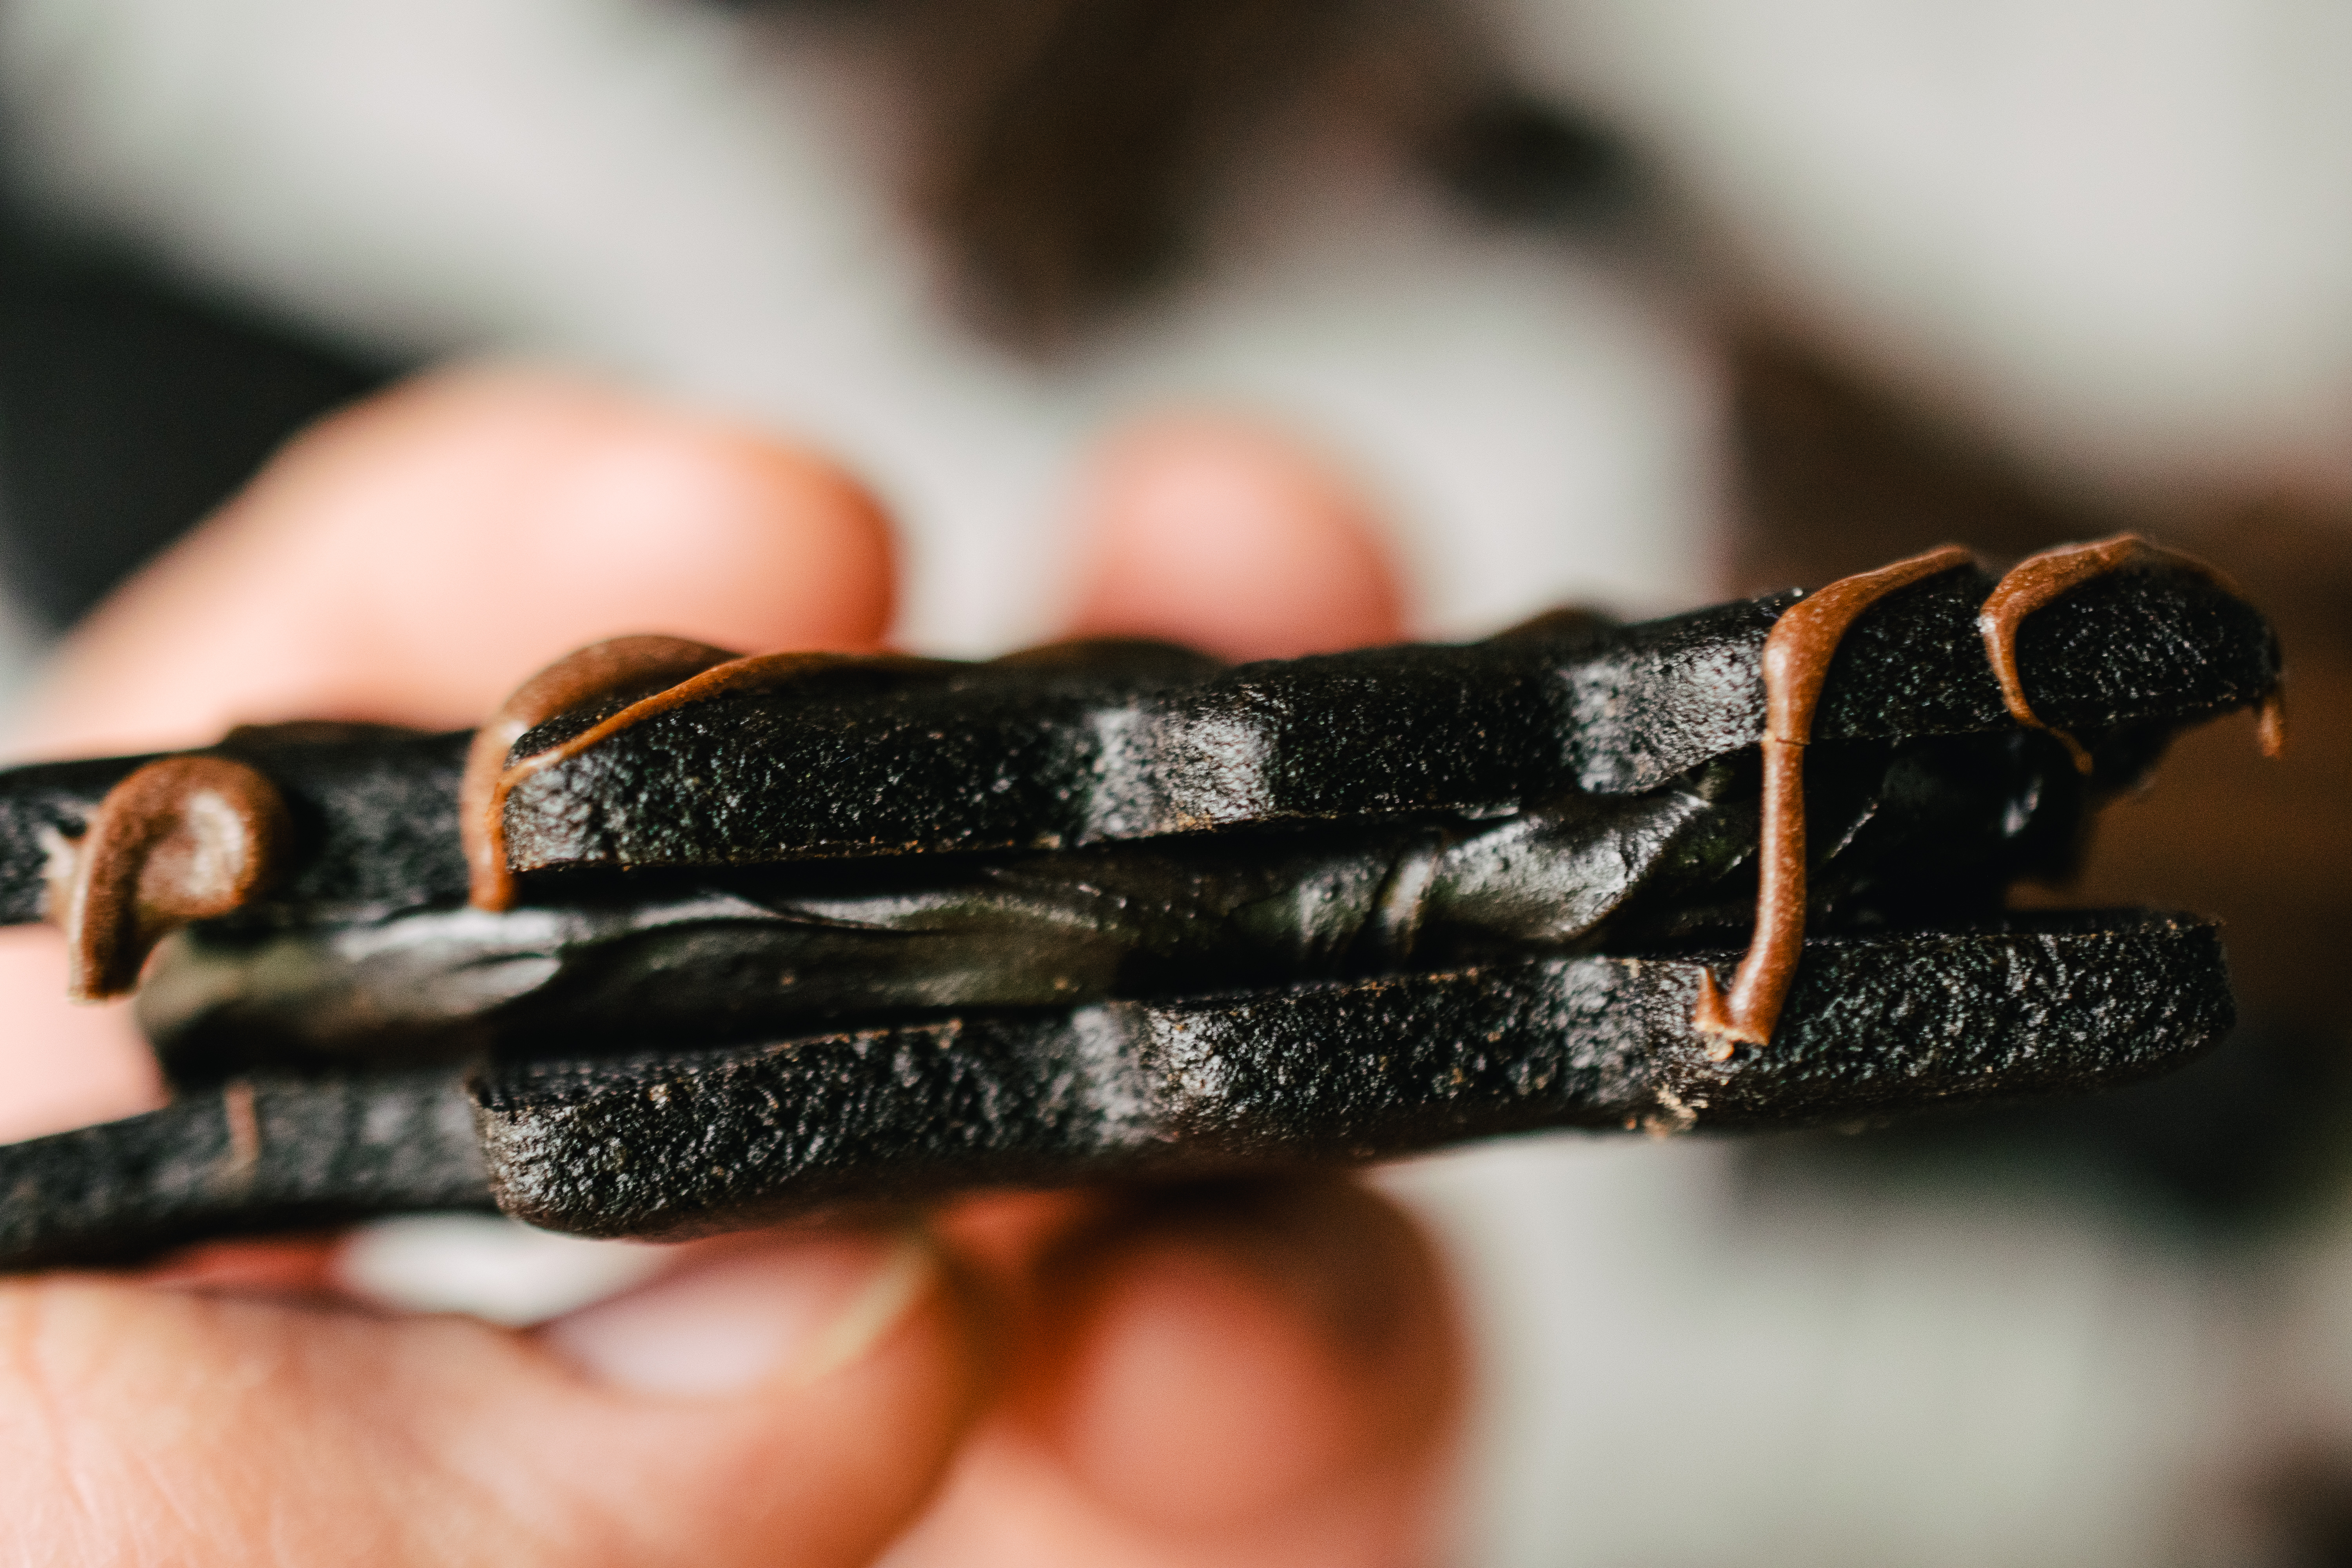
<point x="648" y="516"/>
<point x="414" y="557"/>
<point x="549" y="514"/>
<point x="1233" y="536"/>
<point x="1223" y="1353"/>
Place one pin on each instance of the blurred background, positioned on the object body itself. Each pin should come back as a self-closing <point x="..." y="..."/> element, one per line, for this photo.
<point x="1637" y="303"/>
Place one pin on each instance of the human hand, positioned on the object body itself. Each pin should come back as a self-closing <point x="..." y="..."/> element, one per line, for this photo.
<point x="1263" y="1373"/>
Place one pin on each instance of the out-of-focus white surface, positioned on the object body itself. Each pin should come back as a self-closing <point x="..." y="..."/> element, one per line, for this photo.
<point x="493" y="1267"/>
<point x="2117" y="232"/>
<point x="1684" y="1374"/>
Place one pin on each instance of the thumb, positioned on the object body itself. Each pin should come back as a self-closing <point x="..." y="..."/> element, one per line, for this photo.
<point x="790" y="1398"/>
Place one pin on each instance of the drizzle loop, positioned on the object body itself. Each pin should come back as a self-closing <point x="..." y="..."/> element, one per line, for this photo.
<point x="2039" y="579"/>
<point x="183" y="838"/>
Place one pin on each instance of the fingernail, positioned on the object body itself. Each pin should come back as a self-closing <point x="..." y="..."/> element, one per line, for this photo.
<point x="801" y="1310"/>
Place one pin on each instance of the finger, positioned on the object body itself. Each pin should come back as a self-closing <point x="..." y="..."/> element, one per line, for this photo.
<point x="1223" y="1351"/>
<point x="413" y="559"/>
<point x="1234" y="536"/>
<point x="64" y="1065"/>
<point x="1227" y="1374"/>
<point x="794" y="1400"/>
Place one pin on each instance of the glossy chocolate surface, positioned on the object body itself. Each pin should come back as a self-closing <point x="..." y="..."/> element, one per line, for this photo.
<point x="787" y="933"/>
<point x="1114" y="742"/>
<point x="681" y="1142"/>
<point x="997" y="759"/>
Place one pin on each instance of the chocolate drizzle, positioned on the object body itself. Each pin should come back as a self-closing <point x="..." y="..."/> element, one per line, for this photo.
<point x="183" y="838"/>
<point x="2038" y="580"/>
<point x="683" y="671"/>
<point x="1796" y="657"/>
<point x="577" y="678"/>
<point x="1796" y="660"/>
<point x="2269" y="723"/>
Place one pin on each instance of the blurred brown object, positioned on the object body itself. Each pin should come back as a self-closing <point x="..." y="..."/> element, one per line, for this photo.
<point x="1072" y="156"/>
<point x="1836" y="478"/>
<point x="1075" y="142"/>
